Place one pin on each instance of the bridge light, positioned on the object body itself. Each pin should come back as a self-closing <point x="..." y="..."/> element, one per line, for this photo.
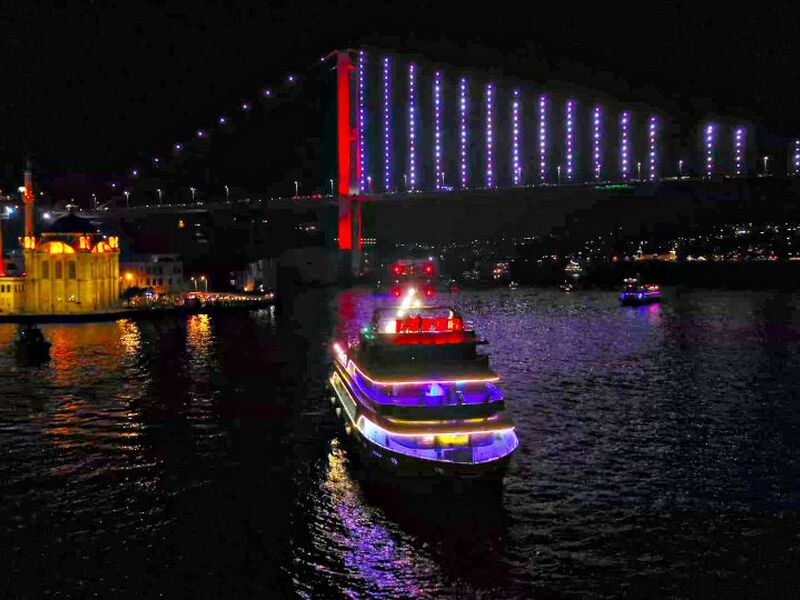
<point x="796" y="158"/>
<point x="597" y="143"/>
<point x="387" y="124"/>
<point x="543" y="139"/>
<point x="291" y="78"/>
<point x="361" y="122"/>
<point x="652" y="148"/>
<point x="135" y="173"/>
<point x="570" y="139"/>
<point x="201" y="133"/>
<point x="437" y="128"/>
<point x="738" y="151"/>
<point x="222" y="120"/>
<point x="625" y="123"/>
<point x="462" y="132"/>
<point x="178" y="147"/>
<point x="489" y="99"/>
<point x="516" y="165"/>
<point x="412" y="127"/>
<point x="245" y="107"/>
<point x="267" y="93"/>
<point x="710" y="142"/>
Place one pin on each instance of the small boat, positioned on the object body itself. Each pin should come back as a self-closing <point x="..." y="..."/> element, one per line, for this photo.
<point x="567" y="286"/>
<point x="453" y="286"/>
<point x="417" y="399"/>
<point x="636" y="293"/>
<point x="513" y="285"/>
<point x="31" y="345"/>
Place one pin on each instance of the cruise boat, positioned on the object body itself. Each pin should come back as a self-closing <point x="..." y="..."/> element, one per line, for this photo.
<point x="418" y="399"/>
<point x="636" y="293"/>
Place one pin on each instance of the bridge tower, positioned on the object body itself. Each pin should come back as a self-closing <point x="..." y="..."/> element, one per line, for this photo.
<point x="349" y="229"/>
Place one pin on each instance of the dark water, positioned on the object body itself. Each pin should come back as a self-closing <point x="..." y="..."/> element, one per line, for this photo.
<point x="660" y="456"/>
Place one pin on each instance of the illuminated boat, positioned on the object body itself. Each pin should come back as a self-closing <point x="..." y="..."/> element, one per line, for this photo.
<point x="636" y="293"/>
<point x="418" y="399"/>
<point x="406" y="272"/>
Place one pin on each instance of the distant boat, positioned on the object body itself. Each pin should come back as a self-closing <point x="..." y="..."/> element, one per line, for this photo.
<point x="513" y="285"/>
<point x="636" y="293"/>
<point x="567" y="287"/>
<point x="31" y="346"/>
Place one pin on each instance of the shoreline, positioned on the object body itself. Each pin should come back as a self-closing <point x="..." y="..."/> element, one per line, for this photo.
<point x="129" y="313"/>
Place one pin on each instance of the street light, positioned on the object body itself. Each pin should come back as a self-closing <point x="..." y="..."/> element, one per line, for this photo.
<point x="194" y="281"/>
<point x="94" y="200"/>
<point x="680" y="169"/>
<point x="766" y="171"/>
<point x="227" y="194"/>
<point x="639" y="169"/>
<point x="127" y="198"/>
<point x="159" y="195"/>
<point x="558" y="170"/>
<point x="204" y="280"/>
<point x="331" y="180"/>
<point x="405" y="181"/>
<point x="296" y="189"/>
<point x="191" y="189"/>
<point x="369" y="184"/>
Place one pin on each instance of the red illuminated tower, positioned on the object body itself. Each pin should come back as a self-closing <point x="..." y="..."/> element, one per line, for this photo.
<point x="348" y="163"/>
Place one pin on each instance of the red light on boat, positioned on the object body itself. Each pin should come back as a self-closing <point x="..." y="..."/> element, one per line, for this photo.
<point x="428" y="269"/>
<point x="429" y="292"/>
<point x="396" y="269"/>
<point x="396" y="292"/>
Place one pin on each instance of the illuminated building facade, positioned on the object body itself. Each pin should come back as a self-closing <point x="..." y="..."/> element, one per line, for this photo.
<point x="163" y="273"/>
<point x="69" y="269"/>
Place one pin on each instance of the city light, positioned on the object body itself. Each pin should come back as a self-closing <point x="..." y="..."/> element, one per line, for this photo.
<point x="361" y="121"/>
<point x="516" y="175"/>
<point x="570" y="139"/>
<point x="542" y="139"/>
<point x="738" y="151"/>
<point x="710" y="140"/>
<point x="437" y="129"/>
<point x="412" y="127"/>
<point x="796" y="158"/>
<point x="597" y="156"/>
<point x="625" y="124"/>
<point x="201" y="133"/>
<point x="462" y="131"/>
<point x="652" y="151"/>
<point x="489" y="100"/>
<point x="387" y="124"/>
<point x="222" y="120"/>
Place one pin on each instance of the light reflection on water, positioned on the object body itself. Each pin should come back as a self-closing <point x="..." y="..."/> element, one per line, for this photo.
<point x="200" y="456"/>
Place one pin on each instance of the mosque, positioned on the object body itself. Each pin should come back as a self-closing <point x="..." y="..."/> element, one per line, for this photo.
<point x="69" y="268"/>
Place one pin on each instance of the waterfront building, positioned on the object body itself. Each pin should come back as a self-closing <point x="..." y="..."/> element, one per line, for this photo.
<point x="163" y="273"/>
<point x="69" y="268"/>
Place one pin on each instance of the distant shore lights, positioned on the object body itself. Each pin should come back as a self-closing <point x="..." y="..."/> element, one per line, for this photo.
<point x="437" y="129"/>
<point x="387" y="124"/>
<point x="362" y="149"/>
<point x="462" y="132"/>
<point x="738" y="151"/>
<point x="625" y="124"/>
<point x="597" y="145"/>
<point x="542" y="139"/>
<point x="412" y="127"/>
<point x="516" y="176"/>
<point x="570" y="139"/>
<point x="710" y="139"/>
<point x="490" y="180"/>
<point x="652" y="148"/>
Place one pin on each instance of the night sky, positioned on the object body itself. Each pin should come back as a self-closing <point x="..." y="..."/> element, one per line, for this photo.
<point x="92" y="88"/>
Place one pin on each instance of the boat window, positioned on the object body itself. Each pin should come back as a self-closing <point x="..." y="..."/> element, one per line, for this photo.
<point x="45" y="270"/>
<point x="59" y="270"/>
<point x="71" y="270"/>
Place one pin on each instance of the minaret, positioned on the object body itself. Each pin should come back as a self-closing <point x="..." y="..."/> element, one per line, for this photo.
<point x="28" y="198"/>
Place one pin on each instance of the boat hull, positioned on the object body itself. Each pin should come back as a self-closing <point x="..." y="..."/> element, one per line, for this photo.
<point x="381" y="459"/>
<point x="638" y="300"/>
